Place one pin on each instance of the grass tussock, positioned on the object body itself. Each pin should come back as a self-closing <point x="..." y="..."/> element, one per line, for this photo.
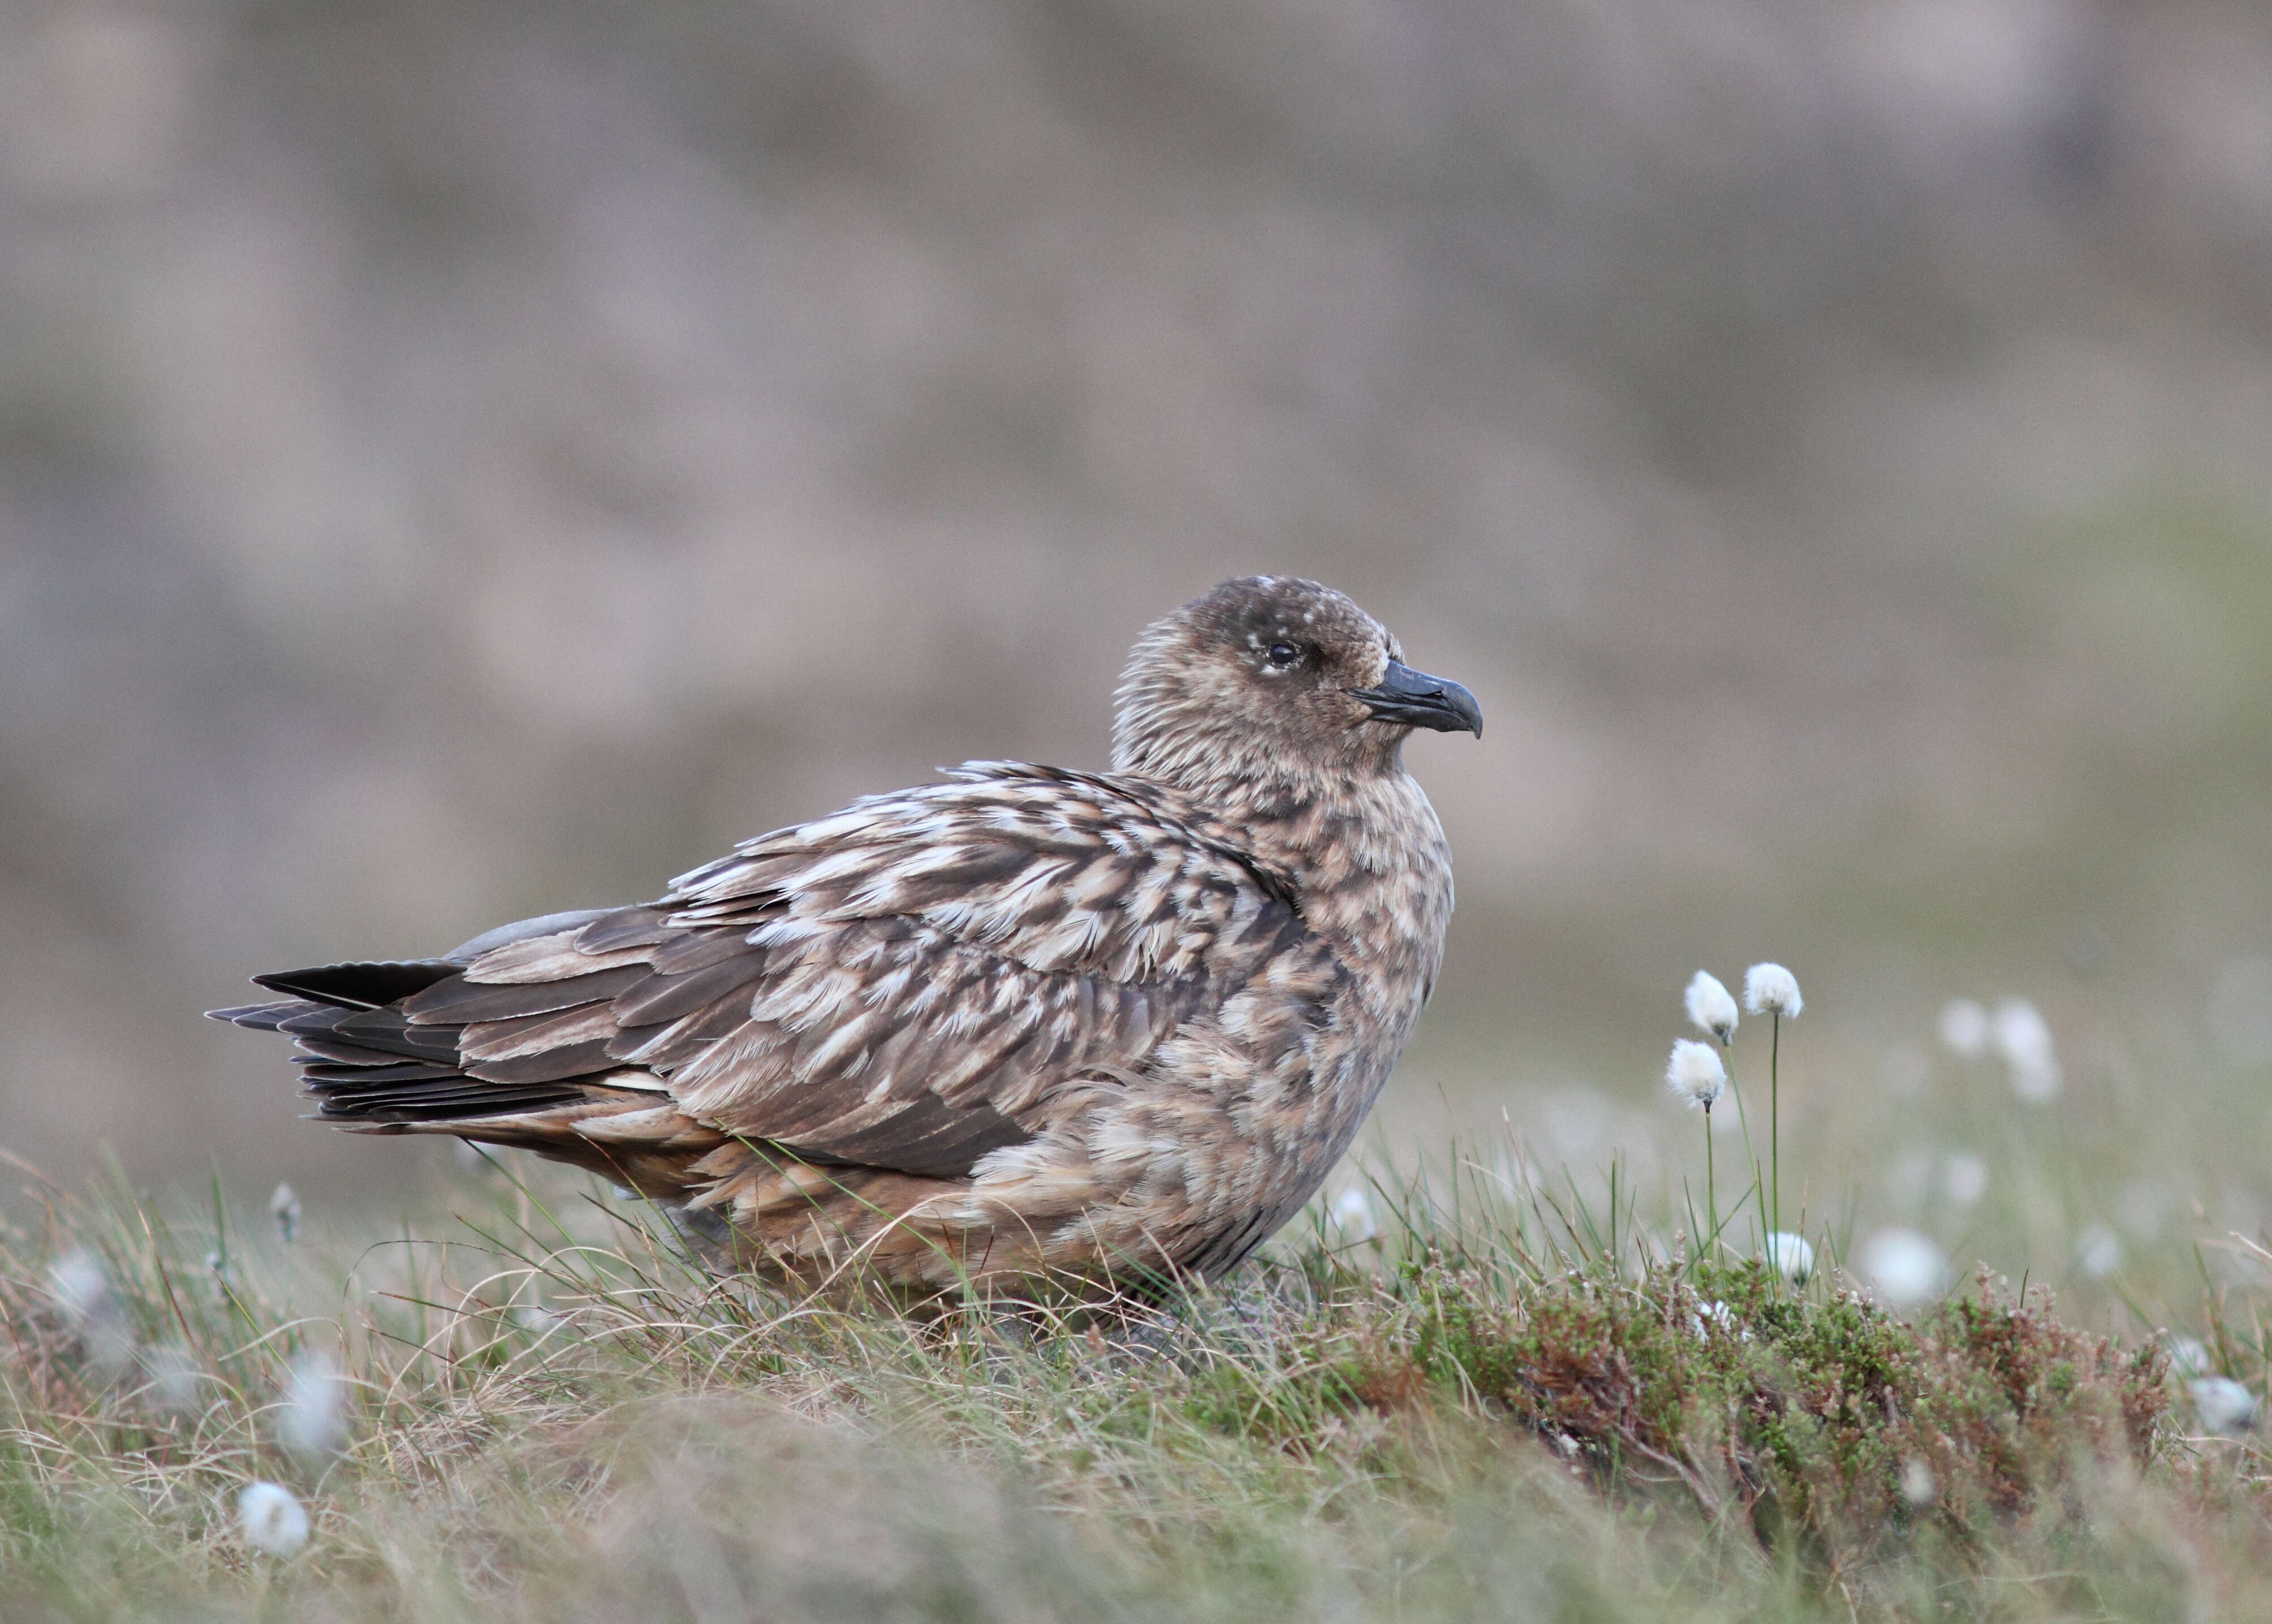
<point x="1499" y="1409"/>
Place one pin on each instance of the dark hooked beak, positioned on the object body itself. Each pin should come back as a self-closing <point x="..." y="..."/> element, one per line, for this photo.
<point x="1415" y="700"/>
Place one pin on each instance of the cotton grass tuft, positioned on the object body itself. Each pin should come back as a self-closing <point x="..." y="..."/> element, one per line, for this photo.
<point x="1771" y="990"/>
<point x="2221" y="1405"/>
<point x="2022" y="1037"/>
<point x="1905" y="1269"/>
<point x="1791" y="1256"/>
<point x="172" y="1379"/>
<point x="1695" y="1074"/>
<point x="284" y="1207"/>
<point x="1964" y="1178"/>
<point x="271" y="1519"/>
<point x="80" y="1286"/>
<point x="1964" y="1026"/>
<point x="2098" y="1250"/>
<point x="311" y="1424"/>
<point x="1711" y="1007"/>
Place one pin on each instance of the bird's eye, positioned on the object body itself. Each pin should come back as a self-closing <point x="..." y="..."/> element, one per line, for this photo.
<point x="1283" y="655"/>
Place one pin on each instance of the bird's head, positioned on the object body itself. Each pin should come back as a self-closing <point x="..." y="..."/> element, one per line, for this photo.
<point x="1272" y="677"/>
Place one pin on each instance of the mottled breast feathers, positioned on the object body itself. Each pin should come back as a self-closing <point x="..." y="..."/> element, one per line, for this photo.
<point x="904" y="985"/>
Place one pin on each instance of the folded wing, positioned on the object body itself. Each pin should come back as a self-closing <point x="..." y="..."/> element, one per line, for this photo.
<point x="904" y="985"/>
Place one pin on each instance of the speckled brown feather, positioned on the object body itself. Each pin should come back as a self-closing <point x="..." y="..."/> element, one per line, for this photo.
<point x="1028" y="1020"/>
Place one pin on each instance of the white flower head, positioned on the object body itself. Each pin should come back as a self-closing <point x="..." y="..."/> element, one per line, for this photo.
<point x="81" y="1287"/>
<point x="2221" y="1404"/>
<point x="311" y="1425"/>
<point x="1964" y="1178"/>
<point x="2099" y="1249"/>
<point x="1352" y="1215"/>
<point x="1711" y="1007"/>
<point x="2187" y="1356"/>
<point x="271" y="1520"/>
<point x="284" y="1207"/>
<point x="1694" y="1073"/>
<point x="172" y="1377"/>
<point x="1907" y="1269"/>
<point x="1964" y="1026"/>
<point x="1771" y="990"/>
<point x="1919" y="1486"/>
<point x="1790" y="1255"/>
<point x="2023" y="1038"/>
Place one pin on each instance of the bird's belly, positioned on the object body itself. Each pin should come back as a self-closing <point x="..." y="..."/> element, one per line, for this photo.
<point x="1184" y="1168"/>
<point x="1199" y="1161"/>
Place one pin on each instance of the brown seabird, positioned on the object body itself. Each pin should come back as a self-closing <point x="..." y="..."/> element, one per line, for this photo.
<point x="1105" y="1026"/>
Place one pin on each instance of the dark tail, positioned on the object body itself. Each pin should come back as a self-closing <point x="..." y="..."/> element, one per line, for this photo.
<point x="382" y="1048"/>
<point x="365" y="1061"/>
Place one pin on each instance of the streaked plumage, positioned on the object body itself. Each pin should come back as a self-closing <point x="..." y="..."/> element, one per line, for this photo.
<point x="1028" y="1020"/>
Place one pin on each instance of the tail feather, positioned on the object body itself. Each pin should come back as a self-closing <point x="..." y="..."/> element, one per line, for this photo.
<point x="367" y="1062"/>
<point x="379" y="1031"/>
<point x="260" y="1017"/>
<point x="356" y="1070"/>
<point x="373" y="1066"/>
<point x="432" y="1102"/>
<point x="359" y="985"/>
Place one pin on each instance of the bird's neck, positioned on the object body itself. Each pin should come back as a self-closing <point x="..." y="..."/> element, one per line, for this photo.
<point x="1364" y="853"/>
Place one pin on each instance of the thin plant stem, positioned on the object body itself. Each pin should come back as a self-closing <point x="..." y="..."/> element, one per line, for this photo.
<point x="1775" y="1128"/>
<point x="1757" y="1193"/>
<point x="1711" y="1195"/>
<point x="1775" y="1145"/>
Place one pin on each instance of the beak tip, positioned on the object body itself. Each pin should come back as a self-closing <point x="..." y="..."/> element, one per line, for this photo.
<point x="1415" y="700"/>
<point x="1466" y="715"/>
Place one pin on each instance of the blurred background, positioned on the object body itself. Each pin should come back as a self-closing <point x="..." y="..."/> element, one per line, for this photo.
<point x="462" y="459"/>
